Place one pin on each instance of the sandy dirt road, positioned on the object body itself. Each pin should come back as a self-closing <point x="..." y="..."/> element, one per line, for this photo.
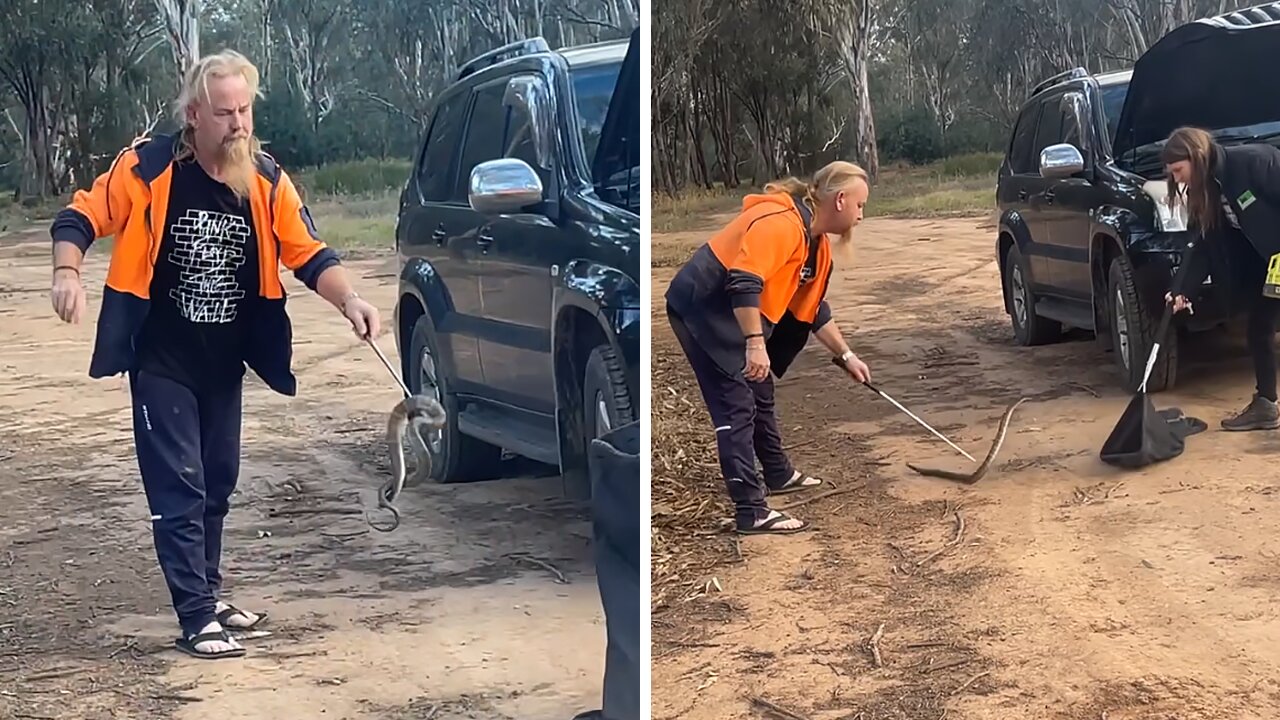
<point x="447" y="617"/>
<point x="1070" y="591"/>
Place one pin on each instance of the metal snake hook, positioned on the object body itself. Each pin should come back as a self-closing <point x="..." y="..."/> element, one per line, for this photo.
<point x="387" y="364"/>
<point x="383" y="501"/>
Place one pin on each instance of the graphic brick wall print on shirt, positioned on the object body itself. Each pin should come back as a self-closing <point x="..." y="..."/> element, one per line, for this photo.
<point x="208" y="246"/>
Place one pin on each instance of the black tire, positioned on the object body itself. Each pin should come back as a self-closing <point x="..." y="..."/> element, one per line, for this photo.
<point x="605" y="398"/>
<point x="1028" y="327"/>
<point x="604" y="387"/>
<point x="455" y="457"/>
<point x="1133" y="330"/>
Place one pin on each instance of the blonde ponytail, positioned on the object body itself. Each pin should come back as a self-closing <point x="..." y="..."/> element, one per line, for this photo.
<point x="830" y="179"/>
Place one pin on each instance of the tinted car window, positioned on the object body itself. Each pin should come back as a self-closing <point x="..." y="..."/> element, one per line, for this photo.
<point x="1021" y="159"/>
<point x="435" y="176"/>
<point x="1072" y="108"/>
<point x="1049" y="130"/>
<point x="484" y="133"/>
<point x="518" y="141"/>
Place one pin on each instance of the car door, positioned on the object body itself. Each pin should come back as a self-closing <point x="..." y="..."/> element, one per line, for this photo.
<point x="521" y="251"/>
<point x="1041" y="193"/>
<point x="439" y="229"/>
<point x="1067" y="204"/>
<point x="1022" y="185"/>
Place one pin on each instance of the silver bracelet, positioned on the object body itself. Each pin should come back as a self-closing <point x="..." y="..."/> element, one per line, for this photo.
<point x="346" y="299"/>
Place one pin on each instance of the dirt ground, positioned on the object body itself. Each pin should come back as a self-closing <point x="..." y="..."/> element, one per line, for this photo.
<point x="1057" y="588"/>
<point x="439" y="619"/>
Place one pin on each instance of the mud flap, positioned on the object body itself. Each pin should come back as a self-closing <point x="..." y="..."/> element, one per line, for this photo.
<point x="614" y="467"/>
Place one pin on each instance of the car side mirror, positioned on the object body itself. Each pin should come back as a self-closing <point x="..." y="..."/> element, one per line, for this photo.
<point x="505" y="185"/>
<point x="1061" y="160"/>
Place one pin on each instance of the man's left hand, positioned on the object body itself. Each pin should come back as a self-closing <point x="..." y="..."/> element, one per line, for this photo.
<point x="363" y="318"/>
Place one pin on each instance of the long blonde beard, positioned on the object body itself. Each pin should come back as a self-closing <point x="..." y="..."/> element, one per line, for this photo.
<point x="237" y="165"/>
<point x="842" y="248"/>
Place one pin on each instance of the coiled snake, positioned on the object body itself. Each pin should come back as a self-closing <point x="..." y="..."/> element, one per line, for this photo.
<point x="417" y="414"/>
<point x="976" y="475"/>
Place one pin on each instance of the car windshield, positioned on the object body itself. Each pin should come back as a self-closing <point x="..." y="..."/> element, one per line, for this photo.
<point x="1112" y="104"/>
<point x="1145" y="160"/>
<point x="593" y="85"/>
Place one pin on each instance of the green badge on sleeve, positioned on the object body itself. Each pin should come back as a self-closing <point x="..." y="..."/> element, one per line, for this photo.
<point x="1246" y="199"/>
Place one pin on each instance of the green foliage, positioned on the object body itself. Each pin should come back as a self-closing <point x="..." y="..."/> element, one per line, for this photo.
<point x="971" y="165"/>
<point x="342" y="80"/>
<point x="910" y="135"/>
<point x="356" y="177"/>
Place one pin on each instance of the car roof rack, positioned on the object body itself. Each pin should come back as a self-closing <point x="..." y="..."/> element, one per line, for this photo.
<point x="1072" y="74"/>
<point x="519" y="48"/>
<point x="1264" y="14"/>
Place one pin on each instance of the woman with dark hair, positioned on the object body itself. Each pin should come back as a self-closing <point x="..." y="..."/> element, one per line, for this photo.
<point x="1232" y="195"/>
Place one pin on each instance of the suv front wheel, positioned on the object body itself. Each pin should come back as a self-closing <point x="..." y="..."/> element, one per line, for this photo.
<point x="606" y="403"/>
<point x="455" y="457"/>
<point x="604" y="406"/>
<point x="1133" y="333"/>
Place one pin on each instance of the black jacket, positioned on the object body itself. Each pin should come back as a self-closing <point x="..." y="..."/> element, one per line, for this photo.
<point x="1249" y="178"/>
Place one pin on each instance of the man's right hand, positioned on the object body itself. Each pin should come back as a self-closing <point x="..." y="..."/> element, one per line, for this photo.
<point x="68" y="296"/>
<point x="757" y="367"/>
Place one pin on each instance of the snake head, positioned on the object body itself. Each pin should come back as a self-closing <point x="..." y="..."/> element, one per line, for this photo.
<point x="421" y="407"/>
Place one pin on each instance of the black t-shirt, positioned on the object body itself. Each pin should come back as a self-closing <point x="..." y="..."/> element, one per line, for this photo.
<point x="204" y="286"/>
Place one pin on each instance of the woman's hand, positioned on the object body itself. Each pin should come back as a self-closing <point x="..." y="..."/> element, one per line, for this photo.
<point x="757" y="367"/>
<point x="1180" y="303"/>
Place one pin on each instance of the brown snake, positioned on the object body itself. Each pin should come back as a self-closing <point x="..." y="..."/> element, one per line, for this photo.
<point x="976" y="475"/>
<point x="418" y="414"/>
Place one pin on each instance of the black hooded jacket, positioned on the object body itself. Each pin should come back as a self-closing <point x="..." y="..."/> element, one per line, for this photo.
<point x="1249" y="178"/>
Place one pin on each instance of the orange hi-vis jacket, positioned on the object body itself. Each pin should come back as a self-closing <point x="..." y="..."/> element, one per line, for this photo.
<point x="130" y="201"/>
<point x="764" y="258"/>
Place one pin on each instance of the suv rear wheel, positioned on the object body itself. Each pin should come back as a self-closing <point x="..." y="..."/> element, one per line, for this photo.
<point x="455" y="457"/>
<point x="1028" y="328"/>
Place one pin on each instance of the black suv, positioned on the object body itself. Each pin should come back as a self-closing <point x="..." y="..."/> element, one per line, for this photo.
<point x="519" y="247"/>
<point x="1085" y="239"/>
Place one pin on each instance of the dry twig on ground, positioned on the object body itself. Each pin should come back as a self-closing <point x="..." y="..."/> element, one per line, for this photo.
<point x="689" y="503"/>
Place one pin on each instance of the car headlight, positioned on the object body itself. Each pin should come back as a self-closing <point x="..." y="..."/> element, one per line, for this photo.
<point x="1168" y="219"/>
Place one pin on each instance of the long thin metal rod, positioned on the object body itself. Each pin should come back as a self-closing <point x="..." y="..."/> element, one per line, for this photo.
<point x="923" y="424"/>
<point x="836" y="361"/>
<point x="390" y="369"/>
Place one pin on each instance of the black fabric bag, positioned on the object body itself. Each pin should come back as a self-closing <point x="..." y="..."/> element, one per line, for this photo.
<point x="614" y="468"/>
<point x="1144" y="436"/>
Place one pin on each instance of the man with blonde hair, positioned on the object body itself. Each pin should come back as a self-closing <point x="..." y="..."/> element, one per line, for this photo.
<point x="202" y="221"/>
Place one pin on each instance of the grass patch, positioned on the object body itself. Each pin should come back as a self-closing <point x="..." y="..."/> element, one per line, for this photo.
<point x="356" y="222"/>
<point x="960" y="185"/>
<point x="693" y="210"/>
<point x="21" y="216"/>
<point x="357" y="177"/>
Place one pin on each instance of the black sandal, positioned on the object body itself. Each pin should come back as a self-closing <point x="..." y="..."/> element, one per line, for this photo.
<point x="796" y="484"/>
<point x="188" y="646"/>
<point x="225" y="615"/>
<point x="767" y="527"/>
